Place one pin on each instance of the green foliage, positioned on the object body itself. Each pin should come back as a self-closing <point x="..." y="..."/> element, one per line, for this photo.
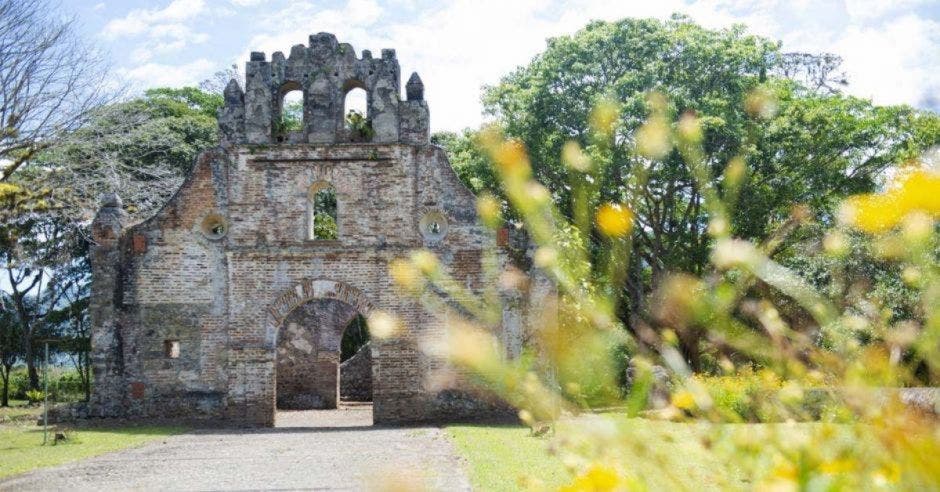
<point x="808" y="146"/>
<point x="324" y="217"/>
<point x="35" y="396"/>
<point x="468" y="160"/>
<point x="360" y="126"/>
<point x="292" y="118"/>
<point x="139" y="148"/>
<point x="182" y="101"/>
<point x="65" y="384"/>
<point x="355" y="336"/>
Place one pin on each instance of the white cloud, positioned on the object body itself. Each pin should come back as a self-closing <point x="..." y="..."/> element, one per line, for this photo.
<point x="164" y="30"/>
<point x="248" y="3"/>
<point x="99" y="6"/>
<point x="872" y="10"/>
<point x="141" y="20"/>
<point x="164" y="75"/>
<point x="892" y="63"/>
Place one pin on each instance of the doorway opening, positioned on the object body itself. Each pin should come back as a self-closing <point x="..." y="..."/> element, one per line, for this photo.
<point x="323" y="357"/>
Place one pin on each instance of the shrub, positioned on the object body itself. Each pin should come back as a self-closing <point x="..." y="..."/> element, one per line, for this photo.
<point x="35" y="396"/>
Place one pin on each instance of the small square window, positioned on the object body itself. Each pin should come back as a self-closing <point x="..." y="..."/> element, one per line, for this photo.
<point x="171" y="349"/>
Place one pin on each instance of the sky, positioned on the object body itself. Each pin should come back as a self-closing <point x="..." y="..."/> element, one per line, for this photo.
<point x="890" y="48"/>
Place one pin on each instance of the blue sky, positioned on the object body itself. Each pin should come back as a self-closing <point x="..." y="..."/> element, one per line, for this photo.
<point x="891" y="48"/>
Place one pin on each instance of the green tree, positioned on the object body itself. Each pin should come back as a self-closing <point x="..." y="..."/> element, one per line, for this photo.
<point x="140" y="149"/>
<point x="11" y="345"/>
<point x="799" y="141"/>
<point x="794" y="139"/>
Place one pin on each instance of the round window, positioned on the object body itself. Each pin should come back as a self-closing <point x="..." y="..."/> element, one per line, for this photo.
<point x="214" y="227"/>
<point x="433" y="226"/>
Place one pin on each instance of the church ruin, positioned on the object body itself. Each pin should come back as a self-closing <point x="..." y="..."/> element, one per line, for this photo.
<point x="241" y="286"/>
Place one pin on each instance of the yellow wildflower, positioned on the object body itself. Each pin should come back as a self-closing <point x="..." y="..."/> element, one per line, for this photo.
<point x="683" y="399"/>
<point x="406" y="275"/>
<point x="488" y="210"/>
<point x="917" y="191"/>
<point x="614" y="220"/>
<point x="574" y="157"/>
<point x="596" y="478"/>
<point x="382" y="324"/>
<point x="604" y="117"/>
<point x="837" y="466"/>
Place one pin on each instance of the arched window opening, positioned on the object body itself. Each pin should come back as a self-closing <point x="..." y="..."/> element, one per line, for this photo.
<point x="356" y="113"/>
<point x="291" y="113"/>
<point x="321" y="212"/>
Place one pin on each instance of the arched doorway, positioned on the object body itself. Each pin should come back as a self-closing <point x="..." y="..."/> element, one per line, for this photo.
<point x="322" y="353"/>
<point x="313" y="343"/>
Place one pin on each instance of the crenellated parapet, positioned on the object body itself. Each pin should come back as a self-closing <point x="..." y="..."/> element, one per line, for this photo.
<point x="324" y="71"/>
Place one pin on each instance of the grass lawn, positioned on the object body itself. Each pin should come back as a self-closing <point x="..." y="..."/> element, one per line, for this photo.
<point x="19" y="411"/>
<point x="21" y="448"/>
<point x="670" y="456"/>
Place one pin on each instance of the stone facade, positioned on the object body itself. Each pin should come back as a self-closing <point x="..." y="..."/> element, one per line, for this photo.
<point x="191" y="308"/>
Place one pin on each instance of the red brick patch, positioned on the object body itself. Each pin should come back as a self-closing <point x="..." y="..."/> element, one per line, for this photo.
<point x="137" y="390"/>
<point x="139" y="243"/>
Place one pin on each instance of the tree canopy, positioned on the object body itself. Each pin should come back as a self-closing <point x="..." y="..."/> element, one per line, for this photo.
<point x="779" y="116"/>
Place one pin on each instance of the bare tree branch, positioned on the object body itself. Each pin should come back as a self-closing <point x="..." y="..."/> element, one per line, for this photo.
<point x="49" y="80"/>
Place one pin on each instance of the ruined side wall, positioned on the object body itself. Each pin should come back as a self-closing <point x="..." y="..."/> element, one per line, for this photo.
<point x="173" y="289"/>
<point x="355" y="375"/>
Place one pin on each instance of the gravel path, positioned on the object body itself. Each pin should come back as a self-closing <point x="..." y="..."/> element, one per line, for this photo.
<point x="322" y="450"/>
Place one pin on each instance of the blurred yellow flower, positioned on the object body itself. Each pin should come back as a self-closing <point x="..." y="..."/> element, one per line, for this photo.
<point x="734" y="173"/>
<point x="488" y="210"/>
<point x="405" y="274"/>
<point x="887" y="474"/>
<point x="915" y="191"/>
<point x="920" y="190"/>
<point x="597" y="478"/>
<point x="614" y="220"/>
<point x="683" y="399"/>
<point x="690" y="129"/>
<point x="382" y="324"/>
<point x="836" y="466"/>
<point x="512" y="160"/>
<point x="652" y="139"/>
<point x="836" y="244"/>
<point x="761" y="103"/>
<point x="604" y="117"/>
<point x="545" y="257"/>
<point x="871" y="213"/>
<point x="574" y="157"/>
<point x="425" y="261"/>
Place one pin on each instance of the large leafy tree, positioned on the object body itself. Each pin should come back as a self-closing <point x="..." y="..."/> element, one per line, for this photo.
<point x="781" y="116"/>
<point x="141" y="148"/>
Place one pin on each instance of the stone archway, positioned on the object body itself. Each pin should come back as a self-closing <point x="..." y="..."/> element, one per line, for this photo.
<point x="307" y="323"/>
<point x="290" y="298"/>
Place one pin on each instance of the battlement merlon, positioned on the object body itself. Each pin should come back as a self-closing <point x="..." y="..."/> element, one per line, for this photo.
<point x="324" y="71"/>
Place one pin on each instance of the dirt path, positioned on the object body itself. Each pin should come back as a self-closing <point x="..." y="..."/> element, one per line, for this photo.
<point x="322" y="450"/>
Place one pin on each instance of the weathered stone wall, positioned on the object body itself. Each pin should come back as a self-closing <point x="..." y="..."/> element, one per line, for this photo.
<point x="308" y="353"/>
<point x="355" y="375"/>
<point x="218" y="273"/>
